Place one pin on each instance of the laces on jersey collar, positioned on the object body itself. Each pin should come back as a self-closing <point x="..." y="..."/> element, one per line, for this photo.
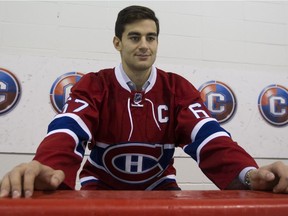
<point x="131" y="118"/>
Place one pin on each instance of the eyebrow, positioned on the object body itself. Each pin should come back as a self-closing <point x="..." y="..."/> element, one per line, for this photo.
<point x="137" y="33"/>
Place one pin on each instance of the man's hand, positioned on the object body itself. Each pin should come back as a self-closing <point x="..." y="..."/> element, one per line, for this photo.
<point x="273" y="177"/>
<point x="27" y="177"/>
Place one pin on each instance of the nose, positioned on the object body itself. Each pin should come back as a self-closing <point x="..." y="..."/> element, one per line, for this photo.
<point x="143" y="43"/>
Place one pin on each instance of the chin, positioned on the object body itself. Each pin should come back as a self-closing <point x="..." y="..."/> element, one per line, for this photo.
<point x="144" y="64"/>
<point x="143" y="67"/>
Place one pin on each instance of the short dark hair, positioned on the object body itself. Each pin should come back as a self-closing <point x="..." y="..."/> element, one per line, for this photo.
<point x="131" y="14"/>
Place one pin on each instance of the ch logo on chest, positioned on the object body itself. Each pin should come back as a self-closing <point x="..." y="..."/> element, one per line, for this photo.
<point x="135" y="162"/>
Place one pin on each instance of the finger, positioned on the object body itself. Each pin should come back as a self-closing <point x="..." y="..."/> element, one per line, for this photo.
<point x="5" y="187"/>
<point x="48" y="178"/>
<point x="15" y="178"/>
<point x="268" y="176"/>
<point x="281" y="180"/>
<point x="262" y="175"/>
<point x="262" y="179"/>
<point x="282" y="185"/>
<point x="29" y="178"/>
<point x="57" y="178"/>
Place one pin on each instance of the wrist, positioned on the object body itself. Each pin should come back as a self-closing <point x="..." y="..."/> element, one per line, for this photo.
<point x="244" y="178"/>
<point x="247" y="178"/>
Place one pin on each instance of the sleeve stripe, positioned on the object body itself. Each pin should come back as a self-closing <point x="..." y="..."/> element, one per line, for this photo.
<point x="69" y="132"/>
<point x="208" y="139"/>
<point x="73" y="135"/>
<point x="199" y="126"/>
<point x="78" y="120"/>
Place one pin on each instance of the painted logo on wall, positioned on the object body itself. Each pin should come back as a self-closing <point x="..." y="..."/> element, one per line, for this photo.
<point x="10" y="91"/>
<point x="219" y="99"/>
<point x="61" y="89"/>
<point x="273" y="104"/>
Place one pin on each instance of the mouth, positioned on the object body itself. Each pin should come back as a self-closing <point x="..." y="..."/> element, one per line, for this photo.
<point x="142" y="56"/>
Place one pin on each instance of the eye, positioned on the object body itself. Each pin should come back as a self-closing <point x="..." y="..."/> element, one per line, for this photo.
<point x="134" y="38"/>
<point x="151" y="38"/>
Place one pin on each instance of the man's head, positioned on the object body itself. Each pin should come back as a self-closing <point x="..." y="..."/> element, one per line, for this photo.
<point x="136" y="39"/>
<point x="132" y="14"/>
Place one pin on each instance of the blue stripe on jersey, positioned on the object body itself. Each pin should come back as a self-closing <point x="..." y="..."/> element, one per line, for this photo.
<point x="96" y="156"/>
<point x="70" y="124"/>
<point x="66" y="123"/>
<point x="80" y="147"/>
<point x="209" y="128"/>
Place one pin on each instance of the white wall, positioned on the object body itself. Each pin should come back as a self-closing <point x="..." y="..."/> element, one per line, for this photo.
<point x="241" y="43"/>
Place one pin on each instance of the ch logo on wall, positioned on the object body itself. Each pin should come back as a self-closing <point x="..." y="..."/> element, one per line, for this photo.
<point x="61" y="89"/>
<point x="10" y="91"/>
<point x="219" y="99"/>
<point x="273" y="104"/>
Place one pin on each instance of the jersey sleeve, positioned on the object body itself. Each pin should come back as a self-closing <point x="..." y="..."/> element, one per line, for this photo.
<point x="219" y="157"/>
<point x="69" y="132"/>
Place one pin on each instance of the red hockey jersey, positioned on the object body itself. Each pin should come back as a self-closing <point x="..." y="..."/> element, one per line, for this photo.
<point x="132" y="134"/>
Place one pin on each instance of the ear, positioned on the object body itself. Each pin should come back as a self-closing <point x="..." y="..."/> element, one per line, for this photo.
<point x="117" y="43"/>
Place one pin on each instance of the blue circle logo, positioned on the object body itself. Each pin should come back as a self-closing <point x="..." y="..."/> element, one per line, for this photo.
<point x="10" y="91"/>
<point x="273" y="104"/>
<point x="219" y="99"/>
<point x="61" y="89"/>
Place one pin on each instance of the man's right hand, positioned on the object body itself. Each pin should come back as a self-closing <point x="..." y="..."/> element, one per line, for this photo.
<point x="27" y="177"/>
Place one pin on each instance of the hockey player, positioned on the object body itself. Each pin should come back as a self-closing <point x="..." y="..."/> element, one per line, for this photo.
<point x="132" y="117"/>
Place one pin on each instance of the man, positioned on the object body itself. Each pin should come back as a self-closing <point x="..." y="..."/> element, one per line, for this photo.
<point x="132" y="117"/>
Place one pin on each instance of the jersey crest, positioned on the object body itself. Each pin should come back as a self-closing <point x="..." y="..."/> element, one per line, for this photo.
<point x="137" y="163"/>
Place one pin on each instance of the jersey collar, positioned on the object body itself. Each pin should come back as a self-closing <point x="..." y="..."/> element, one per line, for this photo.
<point x="127" y="84"/>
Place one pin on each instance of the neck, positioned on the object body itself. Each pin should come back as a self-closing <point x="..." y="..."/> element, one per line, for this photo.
<point x="138" y="77"/>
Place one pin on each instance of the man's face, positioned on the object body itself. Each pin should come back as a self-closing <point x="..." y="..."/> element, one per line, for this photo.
<point x="138" y="46"/>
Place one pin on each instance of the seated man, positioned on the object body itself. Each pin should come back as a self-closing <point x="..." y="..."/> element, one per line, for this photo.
<point x="132" y="117"/>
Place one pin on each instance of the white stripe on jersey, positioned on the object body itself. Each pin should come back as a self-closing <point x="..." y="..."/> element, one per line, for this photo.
<point x="78" y="120"/>
<point x="87" y="178"/>
<point x="169" y="146"/>
<point x="70" y="133"/>
<point x="208" y="139"/>
<point x="152" y="79"/>
<point x="152" y="186"/>
<point x="198" y="126"/>
<point x="102" y="145"/>
<point x="165" y="146"/>
<point x="95" y="164"/>
<point x="153" y="113"/>
<point x="130" y="118"/>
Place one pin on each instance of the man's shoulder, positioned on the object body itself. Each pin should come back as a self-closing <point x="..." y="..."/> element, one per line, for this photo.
<point x="172" y="77"/>
<point x="177" y="83"/>
<point x="100" y="76"/>
<point x="97" y="80"/>
<point x="102" y="72"/>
